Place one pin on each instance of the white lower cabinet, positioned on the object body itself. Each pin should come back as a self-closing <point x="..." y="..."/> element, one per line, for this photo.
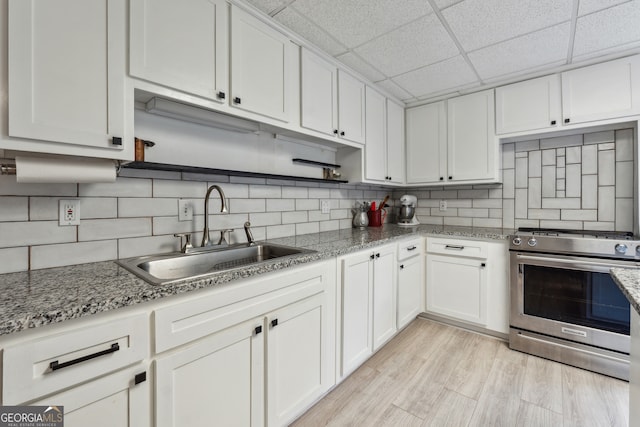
<point x="410" y="281"/>
<point x="368" y="304"/>
<point x="263" y="359"/>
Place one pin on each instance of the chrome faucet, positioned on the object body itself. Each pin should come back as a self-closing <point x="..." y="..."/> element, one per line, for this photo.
<point x="205" y="234"/>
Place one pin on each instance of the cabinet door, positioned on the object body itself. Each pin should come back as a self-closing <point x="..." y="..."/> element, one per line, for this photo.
<point x="602" y="91"/>
<point x="356" y="310"/>
<point x="384" y="295"/>
<point x="456" y="287"/>
<point x="410" y="289"/>
<point x="395" y="142"/>
<point x="319" y="91"/>
<point x="67" y="75"/>
<point x="634" y="380"/>
<point x="182" y="45"/>
<point x="472" y="148"/>
<point x="260" y="67"/>
<point x="216" y="381"/>
<point x="426" y="143"/>
<point x="529" y="105"/>
<point x="114" y="400"/>
<point x="351" y="109"/>
<point x="375" y="149"/>
<point x="296" y="370"/>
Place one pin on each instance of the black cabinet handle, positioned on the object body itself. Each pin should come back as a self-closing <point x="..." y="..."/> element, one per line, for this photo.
<point x="567" y="120"/>
<point x="412" y="248"/>
<point x="454" y="247"/>
<point x="483" y="265"/>
<point x="258" y="330"/>
<point x="372" y="256"/>
<point x="450" y="177"/>
<point x="55" y="365"/>
<point x="274" y="323"/>
<point x="553" y="122"/>
<point x="378" y="255"/>
<point x="401" y="266"/>
<point x="221" y="95"/>
<point x="116" y="140"/>
<point x="140" y="378"/>
<point x="441" y="178"/>
<point x="236" y="100"/>
<point x="342" y="133"/>
<point x="335" y="131"/>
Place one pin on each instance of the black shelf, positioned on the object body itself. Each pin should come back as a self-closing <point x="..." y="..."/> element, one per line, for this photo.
<point x="314" y="163"/>
<point x="212" y="171"/>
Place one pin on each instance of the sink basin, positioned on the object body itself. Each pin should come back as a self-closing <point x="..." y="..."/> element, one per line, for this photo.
<point x="163" y="269"/>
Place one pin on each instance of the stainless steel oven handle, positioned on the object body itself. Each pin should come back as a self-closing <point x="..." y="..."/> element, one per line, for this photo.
<point x="604" y="263"/>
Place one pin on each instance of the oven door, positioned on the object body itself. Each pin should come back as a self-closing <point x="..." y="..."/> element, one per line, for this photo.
<point x="572" y="298"/>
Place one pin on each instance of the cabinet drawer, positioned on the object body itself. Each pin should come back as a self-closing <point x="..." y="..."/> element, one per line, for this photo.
<point x="42" y="366"/>
<point x="409" y="248"/>
<point x="198" y="317"/>
<point x="456" y="247"/>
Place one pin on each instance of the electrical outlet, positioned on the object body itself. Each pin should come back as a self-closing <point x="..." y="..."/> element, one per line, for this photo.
<point x="69" y="212"/>
<point x="325" y="206"/>
<point x="185" y="210"/>
<point x="443" y="205"/>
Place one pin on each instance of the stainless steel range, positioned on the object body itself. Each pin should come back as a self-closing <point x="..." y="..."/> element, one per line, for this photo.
<point x="564" y="304"/>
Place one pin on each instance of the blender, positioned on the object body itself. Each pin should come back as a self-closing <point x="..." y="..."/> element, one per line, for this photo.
<point x="407" y="213"/>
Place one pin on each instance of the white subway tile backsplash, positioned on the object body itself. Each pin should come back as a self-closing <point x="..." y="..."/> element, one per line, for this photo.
<point x="103" y="229"/>
<point x="140" y="246"/>
<point x="589" y="159"/>
<point x="318" y="216"/>
<point x="508" y="155"/>
<point x="573" y="181"/>
<point x="508" y="182"/>
<point x="9" y="187"/>
<point x="574" y="155"/>
<point x="138" y="207"/>
<point x="464" y="203"/>
<point x="263" y="219"/>
<point x="281" y="205"/>
<point x="123" y="187"/>
<point x="295" y="193"/>
<point x="183" y="189"/>
<point x="275" y="231"/>
<point x="98" y="207"/>
<point x="47" y="256"/>
<point x="319" y="193"/>
<point x="307" y="204"/>
<point x="522" y="174"/>
<point x="231" y="191"/>
<point x="444" y="194"/>
<point x="329" y="225"/>
<point x="487" y="222"/>
<point x="534" y="193"/>
<point x="458" y="221"/>
<point x="624" y="145"/>
<point x="606" y="168"/>
<point x="606" y="226"/>
<point x="561" y="203"/>
<point x="548" y="181"/>
<point x="561" y="142"/>
<point x="535" y="164"/>
<point x="474" y="213"/>
<point x="508" y="213"/>
<point x="606" y="203"/>
<point x="589" y="191"/>
<point x="14" y="234"/>
<point x="572" y="225"/>
<point x="606" y="146"/>
<point x="14" y="260"/>
<point x="485" y="203"/>
<point x="624" y="214"/>
<point x="247" y="205"/>
<point x="624" y="179"/>
<point x="14" y="209"/>
<point x="579" y="215"/>
<point x="247" y="180"/>
<point x="526" y="223"/>
<point x="521" y="203"/>
<point x="294" y="217"/>
<point x="544" y="214"/>
<point x="527" y="146"/>
<point x="340" y="213"/>
<point x="431" y="220"/>
<point x="548" y="157"/>
<point x="265" y="191"/>
<point x="599" y="137"/>
<point x="473" y="194"/>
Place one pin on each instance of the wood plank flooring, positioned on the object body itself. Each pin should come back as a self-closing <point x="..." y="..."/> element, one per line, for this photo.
<point x="437" y="375"/>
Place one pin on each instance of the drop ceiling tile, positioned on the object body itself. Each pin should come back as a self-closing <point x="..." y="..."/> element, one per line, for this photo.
<point x="608" y="29"/>
<point x="436" y="78"/>
<point x="363" y="67"/>
<point x="523" y="53"/>
<point x="421" y="42"/>
<point x="479" y="23"/>
<point x="590" y="6"/>
<point x="267" y="6"/>
<point x="394" y="89"/>
<point x="303" y="27"/>
<point x="357" y="21"/>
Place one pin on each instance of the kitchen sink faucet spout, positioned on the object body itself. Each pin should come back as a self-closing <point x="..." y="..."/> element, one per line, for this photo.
<point x="205" y="234"/>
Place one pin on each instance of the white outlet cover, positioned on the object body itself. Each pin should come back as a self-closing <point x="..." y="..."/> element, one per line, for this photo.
<point x="443" y="205"/>
<point x="185" y="210"/>
<point x="69" y="212"/>
<point x="325" y="206"/>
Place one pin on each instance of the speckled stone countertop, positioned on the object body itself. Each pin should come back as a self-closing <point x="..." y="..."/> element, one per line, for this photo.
<point x="628" y="280"/>
<point x="41" y="297"/>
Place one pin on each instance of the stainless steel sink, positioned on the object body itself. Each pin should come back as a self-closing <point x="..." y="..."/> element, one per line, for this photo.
<point x="164" y="269"/>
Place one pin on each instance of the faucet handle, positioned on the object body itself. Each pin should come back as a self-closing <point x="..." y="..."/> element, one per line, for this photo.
<point x="247" y="231"/>
<point x="187" y="245"/>
<point x="226" y="240"/>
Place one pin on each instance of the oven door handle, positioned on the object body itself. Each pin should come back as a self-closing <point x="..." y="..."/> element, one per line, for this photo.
<point x="603" y="265"/>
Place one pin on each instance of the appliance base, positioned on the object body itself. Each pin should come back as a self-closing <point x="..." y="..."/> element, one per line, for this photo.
<point x="594" y="359"/>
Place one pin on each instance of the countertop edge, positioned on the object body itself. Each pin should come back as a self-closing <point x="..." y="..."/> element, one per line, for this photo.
<point x="628" y="280"/>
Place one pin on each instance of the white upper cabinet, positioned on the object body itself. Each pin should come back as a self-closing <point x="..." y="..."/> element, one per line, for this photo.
<point x="351" y="108"/>
<point x="529" y="105"/>
<point x="260" y="67"/>
<point x="66" y="79"/>
<point x="427" y="143"/>
<point x="472" y="148"/>
<point x="376" y="147"/>
<point x="182" y="45"/>
<point x="395" y="142"/>
<point x="319" y="94"/>
<point x="602" y="91"/>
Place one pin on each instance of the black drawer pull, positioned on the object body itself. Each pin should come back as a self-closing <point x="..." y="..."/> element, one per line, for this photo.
<point x="553" y="122"/>
<point x="140" y="378"/>
<point x="274" y="323"/>
<point x="237" y="100"/>
<point x="412" y="248"/>
<point x="455" y="247"/>
<point x="401" y="266"/>
<point x="567" y="120"/>
<point x="55" y="365"/>
<point x="221" y="95"/>
<point x="116" y="140"/>
<point x="258" y="330"/>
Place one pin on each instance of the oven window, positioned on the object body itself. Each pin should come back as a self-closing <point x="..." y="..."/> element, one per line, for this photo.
<point x="574" y="296"/>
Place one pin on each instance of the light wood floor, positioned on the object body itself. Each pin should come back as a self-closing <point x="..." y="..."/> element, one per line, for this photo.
<point x="437" y="375"/>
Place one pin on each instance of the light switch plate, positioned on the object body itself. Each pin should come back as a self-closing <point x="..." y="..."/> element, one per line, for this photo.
<point x="185" y="210"/>
<point x="325" y="206"/>
<point x="69" y="212"/>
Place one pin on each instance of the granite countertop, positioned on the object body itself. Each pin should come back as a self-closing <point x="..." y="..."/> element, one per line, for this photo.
<point x="40" y="297"/>
<point x="628" y="280"/>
